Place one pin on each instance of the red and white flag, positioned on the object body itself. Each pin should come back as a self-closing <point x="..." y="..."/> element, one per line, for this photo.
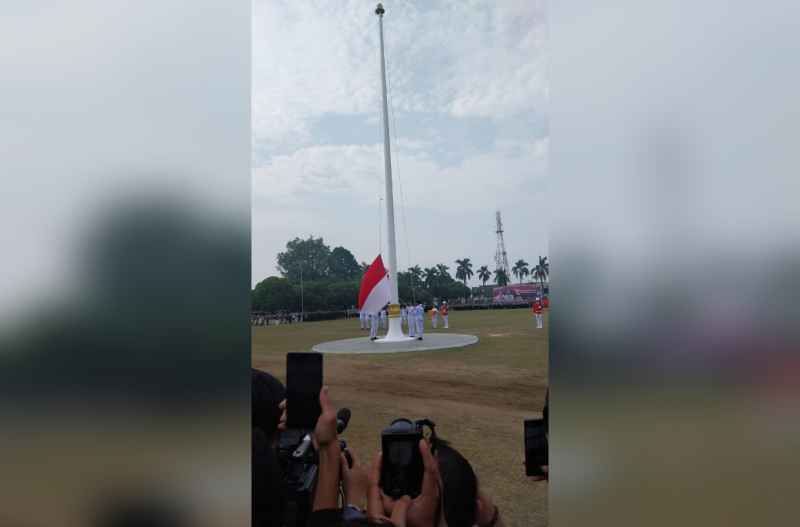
<point x="375" y="291"/>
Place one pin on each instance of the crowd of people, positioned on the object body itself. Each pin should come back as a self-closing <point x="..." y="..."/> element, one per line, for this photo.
<point x="451" y="495"/>
<point x="516" y="304"/>
<point x="264" y="319"/>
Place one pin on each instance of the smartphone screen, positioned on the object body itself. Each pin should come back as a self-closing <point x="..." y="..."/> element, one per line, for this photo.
<point x="536" y="447"/>
<point x="303" y="384"/>
<point x="402" y="467"/>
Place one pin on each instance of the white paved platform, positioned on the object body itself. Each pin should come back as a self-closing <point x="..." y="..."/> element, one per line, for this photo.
<point x="433" y="341"/>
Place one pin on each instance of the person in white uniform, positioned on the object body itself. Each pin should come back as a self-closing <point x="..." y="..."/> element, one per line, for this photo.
<point x="412" y="317"/>
<point x="362" y="316"/>
<point x="434" y="317"/>
<point x="373" y="334"/>
<point x="420" y="314"/>
<point x="403" y="316"/>
<point x="383" y="318"/>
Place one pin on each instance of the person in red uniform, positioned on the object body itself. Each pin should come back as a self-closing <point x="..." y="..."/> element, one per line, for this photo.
<point x="537" y="310"/>
<point x="445" y="313"/>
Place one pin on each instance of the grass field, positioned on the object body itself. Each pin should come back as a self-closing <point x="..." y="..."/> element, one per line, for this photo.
<point x="478" y="396"/>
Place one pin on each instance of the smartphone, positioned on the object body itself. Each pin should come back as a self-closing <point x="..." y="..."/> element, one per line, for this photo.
<point x="402" y="468"/>
<point x="303" y="384"/>
<point x="536" y="447"/>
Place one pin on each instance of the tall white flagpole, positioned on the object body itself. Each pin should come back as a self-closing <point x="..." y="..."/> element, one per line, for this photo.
<point x="395" y="332"/>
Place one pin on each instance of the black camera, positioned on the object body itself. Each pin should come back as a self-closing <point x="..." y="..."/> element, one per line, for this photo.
<point x="402" y="467"/>
<point x="300" y="465"/>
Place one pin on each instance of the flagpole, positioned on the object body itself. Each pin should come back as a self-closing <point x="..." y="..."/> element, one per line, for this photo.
<point x="395" y="332"/>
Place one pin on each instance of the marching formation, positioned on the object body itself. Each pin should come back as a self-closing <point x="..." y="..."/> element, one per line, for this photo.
<point x="412" y="315"/>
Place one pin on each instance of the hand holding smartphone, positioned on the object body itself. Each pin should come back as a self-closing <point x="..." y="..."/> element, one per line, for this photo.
<point x="402" y="469"/>
<point x="303" y="385"/>
<point x="536" y="447"/>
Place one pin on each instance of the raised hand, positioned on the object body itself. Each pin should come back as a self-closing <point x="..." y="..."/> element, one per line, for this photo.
<point x="375" y="512"/>
<point x="545" y="469"/>
<point x="354" y="480"/>
<point x="324" y="434"/>
<point x="422" y="510"/>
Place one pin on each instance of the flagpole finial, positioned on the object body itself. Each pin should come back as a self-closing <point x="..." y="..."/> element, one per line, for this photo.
<point x="379" y="10"/>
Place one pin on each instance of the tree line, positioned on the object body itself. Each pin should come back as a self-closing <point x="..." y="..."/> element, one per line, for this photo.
<point x="331" y="279"/>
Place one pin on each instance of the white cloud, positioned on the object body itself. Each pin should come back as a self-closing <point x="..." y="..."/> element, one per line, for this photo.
<point x="316" y="59"/>
<point x="494" y="61"/>
<point x="352" y="170"/>
<point x="309" y="60"/>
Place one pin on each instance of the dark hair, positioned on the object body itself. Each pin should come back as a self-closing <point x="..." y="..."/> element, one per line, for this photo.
<point x="269" y="493"/>
<point x="267" y="393"/>
<point x="459" y="486"/>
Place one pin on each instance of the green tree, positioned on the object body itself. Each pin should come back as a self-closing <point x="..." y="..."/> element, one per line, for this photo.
<point x="343" y="295"/>
<point x="464" y="270"/>
<point x="405" y="293"/>
<point x="520" y="270"/>
<point x="501" y="277"/>
<point x="457" y="290"/>
<point x="343" y="265"/>
<point x="542" y="271"/>
<point x="425" y="297"/>
<point x="316" y="296"/>
<point x="484" y="275"/>
<point x="311" y="254"/>
<point x="274" y="294"/>
<point x="362" y="270"/>
<point x="416" y="274"/>
<point x="444" y="276"/>
<point x="440" y="291"/>
<point x="430" y="274"/>
<point x="405" y="278"/>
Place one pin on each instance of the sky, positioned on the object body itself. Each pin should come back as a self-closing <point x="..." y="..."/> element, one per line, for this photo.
<point x="468" y="121"/>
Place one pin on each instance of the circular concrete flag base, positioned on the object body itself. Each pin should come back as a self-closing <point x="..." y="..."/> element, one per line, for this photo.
<point x="434" y="341"/>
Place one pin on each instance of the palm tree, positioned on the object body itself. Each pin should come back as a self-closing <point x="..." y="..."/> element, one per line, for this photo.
<point x="484" y="275"/>
<point x="430" y="274"/>
<point x="464" y="270"/>
<point x="520" y="270"/>
<point x="362" y="270"/>
<point x="541" y="271"/>
<point x="501" y="277"/>
<point x="443" y="274"/>
<point x="416" y="276"/>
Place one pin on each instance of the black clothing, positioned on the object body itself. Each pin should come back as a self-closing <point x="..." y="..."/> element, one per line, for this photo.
<point x="325" y="518"/>
<point x="545" y="412"/>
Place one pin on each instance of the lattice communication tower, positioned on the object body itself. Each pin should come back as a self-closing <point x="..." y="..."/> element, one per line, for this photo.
<point x="500" y="258"/>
